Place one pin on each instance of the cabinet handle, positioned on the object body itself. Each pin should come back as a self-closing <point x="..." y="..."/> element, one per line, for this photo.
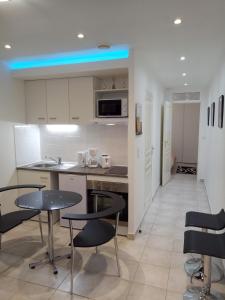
<point x="52" y="118"/>
<point x="75" y="118"/>
<point x="41" y="118"/>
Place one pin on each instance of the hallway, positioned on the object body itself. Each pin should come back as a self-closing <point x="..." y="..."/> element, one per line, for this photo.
<point x="165" y="241"/>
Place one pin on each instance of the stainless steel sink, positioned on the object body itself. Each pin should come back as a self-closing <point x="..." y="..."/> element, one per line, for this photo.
<point x="45" y="165"/>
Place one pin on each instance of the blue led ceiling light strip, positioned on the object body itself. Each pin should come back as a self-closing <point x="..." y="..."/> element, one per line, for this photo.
<point x="87" y="56"/>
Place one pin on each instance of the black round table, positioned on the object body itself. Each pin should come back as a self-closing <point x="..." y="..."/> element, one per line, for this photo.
<point x="48" y="200"/>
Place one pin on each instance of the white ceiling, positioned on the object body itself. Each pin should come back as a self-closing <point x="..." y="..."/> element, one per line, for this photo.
<point x="35" y="27"/>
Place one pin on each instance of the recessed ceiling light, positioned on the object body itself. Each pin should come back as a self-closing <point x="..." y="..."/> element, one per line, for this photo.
<point x="4" y="0"/>
<point x="182" y="58"/>
<point x="177" y="21"/>
<point x="186" y="84"/>
<point x="7" y="46"/>
<point x="184" y="74"/>
<point x="80" y="35"/>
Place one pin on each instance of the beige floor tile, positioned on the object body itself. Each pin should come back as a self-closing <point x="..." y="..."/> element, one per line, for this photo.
<point x="131" y="250"/>
<point x="156" y="257"/>
<point x="178" y="259"/>
<point x="145" y="292"/>
<point x="98" y="286"/>
<point x="105" y="263"/>
<point x="59" y="295"/>
<point x="174" y="296"/>
<point x="178" y="245"/>
<point x="178" y="280"/>
<point x="152" y="275"/>
<point x="22" y="245"/>
<point x="8" y="260"/>
<point x="14" y="289"/>
<point x="160" y="242"/>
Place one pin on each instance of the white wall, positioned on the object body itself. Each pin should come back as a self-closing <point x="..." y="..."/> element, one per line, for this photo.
<point x="12" y="110"/>
<point x="212" y="145"/>
<point x="141" y="83"/>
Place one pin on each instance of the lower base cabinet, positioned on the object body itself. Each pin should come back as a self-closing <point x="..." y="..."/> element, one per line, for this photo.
<point x="77" y="184"/>
<point x="50" y="180"/>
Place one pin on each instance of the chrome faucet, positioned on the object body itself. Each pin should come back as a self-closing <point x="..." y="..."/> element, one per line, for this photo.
<point x="58" y="160"/>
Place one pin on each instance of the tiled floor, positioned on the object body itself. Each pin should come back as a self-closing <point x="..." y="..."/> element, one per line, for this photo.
<point x="152" y="265"/>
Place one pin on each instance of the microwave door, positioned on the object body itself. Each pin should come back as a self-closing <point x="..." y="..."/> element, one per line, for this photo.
<point x="109" y="108"/>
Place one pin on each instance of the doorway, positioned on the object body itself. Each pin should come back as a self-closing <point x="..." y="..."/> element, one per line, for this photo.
<point x="185" y="135"/>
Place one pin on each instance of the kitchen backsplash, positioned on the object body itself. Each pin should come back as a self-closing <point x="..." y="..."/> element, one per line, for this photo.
<point x="110" y="140"/>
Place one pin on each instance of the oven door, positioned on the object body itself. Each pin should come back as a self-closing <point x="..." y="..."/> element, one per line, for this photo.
<point x="108" y="108"/>
<point x="104" y="203"/>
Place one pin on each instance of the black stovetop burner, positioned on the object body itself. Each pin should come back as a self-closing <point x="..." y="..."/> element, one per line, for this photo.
<point x="118" y="170"/>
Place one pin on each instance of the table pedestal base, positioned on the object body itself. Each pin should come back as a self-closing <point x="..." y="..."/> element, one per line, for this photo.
<point x="51" y="259"/>
<point x="48" y="261"/>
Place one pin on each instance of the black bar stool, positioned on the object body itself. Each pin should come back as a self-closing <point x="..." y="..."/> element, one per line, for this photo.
<point x="194" y="266"/>
<point x="208" y="245"/>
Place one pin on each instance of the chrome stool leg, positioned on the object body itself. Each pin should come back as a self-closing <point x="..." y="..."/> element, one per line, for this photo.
<point x="41" y="230"/>
<point x="204" y="293"/>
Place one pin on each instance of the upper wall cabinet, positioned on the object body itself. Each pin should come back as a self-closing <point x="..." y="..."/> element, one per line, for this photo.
<point x="57" y="101"/>
<point x="36" y="110"/>
<point x="60" y="101"/>
<point x="81" y="100"/>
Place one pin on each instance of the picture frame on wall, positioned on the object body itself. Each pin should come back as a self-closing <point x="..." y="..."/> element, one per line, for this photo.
<point x="220" y="111"/>
<point x="213" y="106"/>
<point x="138" y="118"/>
<point x="208" y="116"/>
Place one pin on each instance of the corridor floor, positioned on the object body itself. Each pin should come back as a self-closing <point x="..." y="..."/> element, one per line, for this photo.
<point x="151" y="265"/>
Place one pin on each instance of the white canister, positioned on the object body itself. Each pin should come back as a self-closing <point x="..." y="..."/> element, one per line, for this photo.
<point x="105" y="161"/>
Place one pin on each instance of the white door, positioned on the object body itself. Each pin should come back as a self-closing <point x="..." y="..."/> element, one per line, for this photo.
<point x="57" y="101"/>
<point x="148" y="148"/>
<point x="166" y="143"/>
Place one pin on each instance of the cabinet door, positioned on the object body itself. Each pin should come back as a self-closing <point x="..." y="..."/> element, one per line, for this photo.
<point x="81" y="100"/>
<point x="57" y="101"/>
<point x="74" y="183"/>
<point x="36" y="110"/>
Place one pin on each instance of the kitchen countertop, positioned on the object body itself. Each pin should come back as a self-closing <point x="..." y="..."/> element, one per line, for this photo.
<point x="114" y="171"/>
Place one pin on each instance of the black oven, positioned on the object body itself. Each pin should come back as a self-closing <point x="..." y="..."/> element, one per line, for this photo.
<point x="105" y="202"/>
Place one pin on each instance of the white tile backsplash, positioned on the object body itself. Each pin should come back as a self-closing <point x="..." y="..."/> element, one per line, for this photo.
<point x="111" y="140"/>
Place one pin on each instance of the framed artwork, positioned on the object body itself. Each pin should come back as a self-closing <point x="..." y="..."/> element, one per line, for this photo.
<point x="208" y="116"/>
<point x="138" y="118"/>
<point x="213" y="105"/>
<point x="220" y="111"/>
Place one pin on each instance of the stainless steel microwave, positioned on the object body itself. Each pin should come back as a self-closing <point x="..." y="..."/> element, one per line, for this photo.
<point x="112" y="108"/>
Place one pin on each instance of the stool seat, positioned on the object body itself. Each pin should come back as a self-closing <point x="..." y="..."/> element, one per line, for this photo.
<point x="204" y="243"/>
<point x="206" y="221"/>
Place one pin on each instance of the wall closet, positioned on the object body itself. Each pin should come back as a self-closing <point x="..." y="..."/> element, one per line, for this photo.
<point x="185" y="131"/>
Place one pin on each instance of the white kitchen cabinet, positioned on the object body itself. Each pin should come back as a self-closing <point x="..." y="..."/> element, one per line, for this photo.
<point x="78" y="184"/>
<point x="81" y="100"/>
<point x="48" y="179"/>
<point x="57" y="101"/>
<point x="36" y="109"/>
